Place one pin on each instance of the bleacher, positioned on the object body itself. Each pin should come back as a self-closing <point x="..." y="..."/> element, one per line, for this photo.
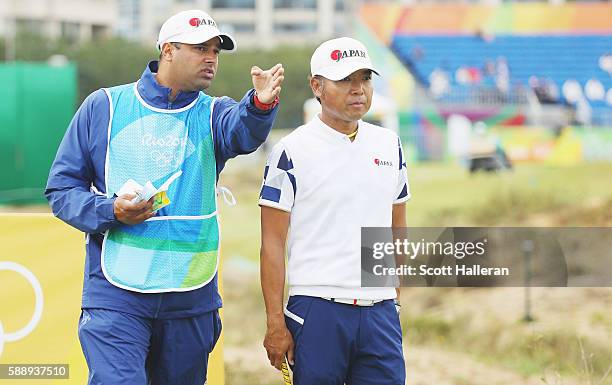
<point x="537" y="42"/>
<point x="555" y="57"/>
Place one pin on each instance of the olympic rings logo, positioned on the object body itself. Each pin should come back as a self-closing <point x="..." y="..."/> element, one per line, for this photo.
<point x="165" y="159"/>
<point x="38" y="308"/>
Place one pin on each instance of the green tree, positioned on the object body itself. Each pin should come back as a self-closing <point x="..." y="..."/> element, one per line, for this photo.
<point x="234" y="78"/>
<point x="109" y="62"/>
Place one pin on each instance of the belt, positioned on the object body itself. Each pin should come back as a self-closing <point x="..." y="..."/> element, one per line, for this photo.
<point x="354" y="301"/>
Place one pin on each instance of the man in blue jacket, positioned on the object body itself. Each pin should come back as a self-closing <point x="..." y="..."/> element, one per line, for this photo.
<point x="150" y="297"/>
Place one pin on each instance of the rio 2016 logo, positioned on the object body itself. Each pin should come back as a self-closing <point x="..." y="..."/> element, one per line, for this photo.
<point x="38" y="307"/>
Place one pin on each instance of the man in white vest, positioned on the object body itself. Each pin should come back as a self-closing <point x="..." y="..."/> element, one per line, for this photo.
<point x="322" y="184"/>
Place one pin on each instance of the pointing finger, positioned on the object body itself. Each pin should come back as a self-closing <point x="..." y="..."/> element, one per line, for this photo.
<point x="275" y="68"/>
<point x="276" y="83"/>
<point x="280" y="70"/>
<point x="278" y="73"/>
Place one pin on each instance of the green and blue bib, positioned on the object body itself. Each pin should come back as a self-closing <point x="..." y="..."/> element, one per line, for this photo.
<point x="178" y="249"/>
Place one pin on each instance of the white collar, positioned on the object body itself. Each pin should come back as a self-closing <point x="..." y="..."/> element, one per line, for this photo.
<point x="333" y="133"/>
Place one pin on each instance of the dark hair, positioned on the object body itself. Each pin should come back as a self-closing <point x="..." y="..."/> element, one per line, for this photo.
<point x="320" y="80"/>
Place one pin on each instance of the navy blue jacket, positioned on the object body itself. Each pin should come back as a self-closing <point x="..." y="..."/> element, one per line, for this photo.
<point x="238" y="128"/>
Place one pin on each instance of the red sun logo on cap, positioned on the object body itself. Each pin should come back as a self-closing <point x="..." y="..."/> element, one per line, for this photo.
<point x="194" y="22"/>
<point x="336" y="55"/>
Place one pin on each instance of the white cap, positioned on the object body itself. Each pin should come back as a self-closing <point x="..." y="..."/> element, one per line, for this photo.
<point x="192" y="27"/>
<point x="338" y="58"/>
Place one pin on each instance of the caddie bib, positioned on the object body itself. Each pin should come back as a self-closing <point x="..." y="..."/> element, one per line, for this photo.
<point x="176" y="250"/>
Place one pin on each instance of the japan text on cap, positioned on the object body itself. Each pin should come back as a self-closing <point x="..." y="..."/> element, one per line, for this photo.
<point x="338" y="58"/>
<point x="192" y="27"/>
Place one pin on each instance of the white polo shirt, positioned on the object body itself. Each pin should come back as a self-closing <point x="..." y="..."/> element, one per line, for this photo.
<point x="332" y="187"/>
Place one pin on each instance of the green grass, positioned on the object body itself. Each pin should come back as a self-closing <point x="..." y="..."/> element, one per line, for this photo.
<point x="447" y="195"/>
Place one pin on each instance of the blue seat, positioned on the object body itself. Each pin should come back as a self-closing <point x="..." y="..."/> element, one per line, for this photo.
<point x="558" y="57"/>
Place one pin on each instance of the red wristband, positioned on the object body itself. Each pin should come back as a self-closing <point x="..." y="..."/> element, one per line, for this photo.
<point x="264" y="106"/>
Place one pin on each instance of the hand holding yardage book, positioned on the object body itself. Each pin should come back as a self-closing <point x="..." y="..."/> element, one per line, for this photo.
<point x="146" y="192"/>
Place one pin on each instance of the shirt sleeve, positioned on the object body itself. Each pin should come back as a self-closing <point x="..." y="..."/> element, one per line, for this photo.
<point x="279" y="184"/>
<point x="403" y="187"/>
<point x="72" y="173"/>
<point x="239" y="127"/>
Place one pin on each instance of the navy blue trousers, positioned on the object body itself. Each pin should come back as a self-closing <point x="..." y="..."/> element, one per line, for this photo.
<point x="338" y="344"/>
<point x="122" y="349"/>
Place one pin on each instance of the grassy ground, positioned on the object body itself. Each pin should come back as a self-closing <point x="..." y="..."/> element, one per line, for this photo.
<point x="453" y="336"/>
<point x="479" y="330"/>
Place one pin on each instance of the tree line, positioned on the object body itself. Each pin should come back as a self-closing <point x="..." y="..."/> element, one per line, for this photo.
<point x="108" y="62"/>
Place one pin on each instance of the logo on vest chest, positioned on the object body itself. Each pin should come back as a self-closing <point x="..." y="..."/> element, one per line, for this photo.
<point x="165" y="151"/>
